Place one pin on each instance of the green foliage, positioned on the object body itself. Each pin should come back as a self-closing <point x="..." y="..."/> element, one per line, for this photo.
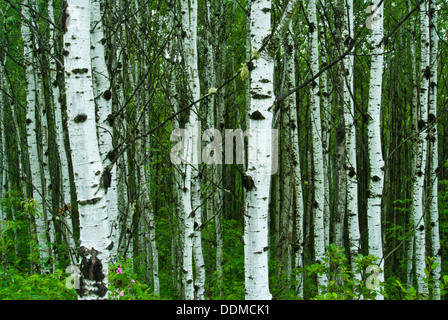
<point x="233" y="260"/>
<point x="411" y="293"/>
<point x="16" y="230"/>
<point x="443" y="220"/>
<point x="16" y="285"/>
<point x="124" y="286"/>
<point x="343" y="284"/>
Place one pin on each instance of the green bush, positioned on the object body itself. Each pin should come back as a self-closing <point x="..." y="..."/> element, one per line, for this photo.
<point x="21" y="286"/>
<point x="124" y="286"/>
<point x="342" y="282"/>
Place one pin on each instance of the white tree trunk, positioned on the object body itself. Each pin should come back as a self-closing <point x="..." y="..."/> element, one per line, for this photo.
<point x="433" y="152"/>
<point x="256" y="232"/>
<point x="417" y="209"/>
<point x="87" y="165"/>
<point x="286" y="188"/>
<point x="191" y="196"/>
<point x="149" y="217"/>
<point x="59" y="127"/>
<point x="340" y="138"/>
<point x="42" y="134"/>
<point x="31" y="128"/>
<point x="186" y="211"/>
<point x="376" y="162"/>
<point x="326" y="124"/>
<point x="316" y="129"/>
<point x="414" y="118"/>
<point x="103" y="99"/>
<point x="295" y="163"/>
<point x="350" y="138"/>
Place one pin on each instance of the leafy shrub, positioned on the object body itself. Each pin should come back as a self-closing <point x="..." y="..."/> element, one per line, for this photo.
<point x="411" y="293"/>
<point x="342" y="282"/>
<point x="124" y="286"/>
<point x="16" y="285"/>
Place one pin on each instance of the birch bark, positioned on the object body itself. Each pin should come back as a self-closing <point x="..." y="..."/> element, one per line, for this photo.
<point x="433" y="151"/>
<point x="316" y="130"/>
<point x="286" y="186"/>
<point x="89" y="174"/>
<point x="59" y="124"/>
<point x="191" y="192"/>
<point x="256" y="231"/>
<point x="326" y="125"/>
<point x="103" y="101"/>
<point x="340" y="138"/>
<point x="31" y="128"/>
<point x="290" y="102"/>
<point x="350" y="140"/>
<point x="414" y="118"/>
<point x="417" y="210"/>
<point x="376" y="162"/>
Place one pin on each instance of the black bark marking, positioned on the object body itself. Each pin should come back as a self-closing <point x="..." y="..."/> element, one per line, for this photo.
<point x="107" y="95"/>
<point x="248" y="182"/>
<point x="89" y="201"/>
<point x="256" y="115"/>
<point x="427" y="72"/>
<point x="421" y="124"/>
<point x="106" y="178"/>
<point x="80" y="118"/>
<point x="80" y="70"/>
<point x="351" y="172"/>
<point x="92" y="269"/>
<point x="260" y="96"/>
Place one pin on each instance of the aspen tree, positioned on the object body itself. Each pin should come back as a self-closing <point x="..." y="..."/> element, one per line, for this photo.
<point x="340" y="133"/>
<point x="89" y="174"/>
<point x="174" y="59"/>
<point x="290" y="103"/>
<point x="414" y="118"/>
<point x="350" y="140"/>
<point x="59" y="122"/>
<point x="376" y="162"/>
<point x="433" y="150"/>
<point x="196" y="200"/>
<point x="417" y="209"/>
<point x="147" y="176"/>
<point x="42" y="113"/>
<point x="256" y="232"/>
<point x="326" y="86"/>
<point x="103" y="102"/>
<point x="32" y="126"/>
<point x="150" y="221"/>
<point x="214" y="170"/>
<point x="115" y="65"/>
<point x="191" y="201"/>
<point x="316" y="129"/>
<point x="287" y="166"/>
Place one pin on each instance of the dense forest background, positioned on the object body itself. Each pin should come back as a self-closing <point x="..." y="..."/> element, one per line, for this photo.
<point x="157" y="66"/>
